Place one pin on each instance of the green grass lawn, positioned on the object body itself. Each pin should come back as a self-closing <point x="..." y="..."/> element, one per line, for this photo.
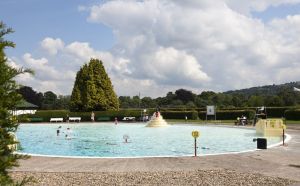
<point x="227" y="122"/>
<point x="288" y="122"/>
<point x="175" y="121"/>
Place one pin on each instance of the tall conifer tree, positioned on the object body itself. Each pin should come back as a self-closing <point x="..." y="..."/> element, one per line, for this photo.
<point x="8" y="100"/>
<point x="93" y="89"/>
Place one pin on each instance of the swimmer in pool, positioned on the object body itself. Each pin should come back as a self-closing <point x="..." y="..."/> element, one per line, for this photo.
<point x="58" y="130"/>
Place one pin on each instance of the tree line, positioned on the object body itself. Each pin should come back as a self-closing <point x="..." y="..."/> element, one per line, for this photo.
<point x="181" y="98"/>
<point x="45" y="101"/>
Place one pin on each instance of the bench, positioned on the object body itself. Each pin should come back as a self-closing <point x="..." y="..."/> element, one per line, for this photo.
<point x="36" y="119"/>
<point x="103" y="118"/>
<point x="75" y="119"/>
<point x="129" y="119"/>
<point x="56" y="119"/>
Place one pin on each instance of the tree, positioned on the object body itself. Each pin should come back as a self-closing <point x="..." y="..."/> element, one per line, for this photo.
<point x="9" y="97"/>
<point x="273" y="101"/>
<point x="124" y="101"/>
<point x="147" y="102"/>
<point x="185" y="95"/>
<point x="30" y="95"/>
<point x="93" y="89"/>
<point x="49" y="100"/>
<point x="255" y="101"/>
<point x="62" y="102"/>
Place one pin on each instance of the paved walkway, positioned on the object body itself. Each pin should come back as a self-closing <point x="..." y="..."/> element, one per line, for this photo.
<point x="279" y="161"/>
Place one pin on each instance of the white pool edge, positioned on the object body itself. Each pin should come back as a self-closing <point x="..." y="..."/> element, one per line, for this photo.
<point x="287" y="139"/>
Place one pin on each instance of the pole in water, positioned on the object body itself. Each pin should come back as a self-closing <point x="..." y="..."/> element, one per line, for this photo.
<point x="195" y="147"/>
<point x="283" y="134"/>
<point x="195" y="134"/>
<point x="283" y="138"/>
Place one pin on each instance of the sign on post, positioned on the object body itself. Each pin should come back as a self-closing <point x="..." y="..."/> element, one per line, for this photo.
<point x="210" y="111"/>
<point x="195" y="134"/>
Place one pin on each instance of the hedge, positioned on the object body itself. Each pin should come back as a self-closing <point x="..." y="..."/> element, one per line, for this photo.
<point x="45" y="115"/>
<point x="293" y="114"/>
<point x="272" y="112"/>
<point x="229" y="114"/>
<point x="276" y="112"/>
<point x="179" y="115"/>
<point x="85" y="116"/>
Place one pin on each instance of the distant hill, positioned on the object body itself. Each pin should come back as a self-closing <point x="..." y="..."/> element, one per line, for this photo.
<point x="269" y="90"/>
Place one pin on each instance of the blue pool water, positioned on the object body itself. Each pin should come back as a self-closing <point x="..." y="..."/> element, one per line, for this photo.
<point x="106" y="140"/>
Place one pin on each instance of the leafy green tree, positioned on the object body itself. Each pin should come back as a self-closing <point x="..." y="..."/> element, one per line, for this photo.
<point x="62" y="102"/>
<point x="185" y="95"/>
<point x="76" y="103"/>
<point x="256" y="101"/>
<point x="147" y="102"/>
<point x="288" y="97"/>
<point x="170" y="97"/>
<point x="49" y="100"/>
<point x="177" y="103"/>
<point x="190" y="104"/>
<point x="30" y="95"/>
<point x="135" y="102"/>
<point x="124" y="101"/>
<point x="201" y="102"/>
<point x="9" y="97"/>
<point x="162" y="102"/>
<point x="93" y="89"/>
<point x="237" y="100"/>
<point x="273" y="101"/>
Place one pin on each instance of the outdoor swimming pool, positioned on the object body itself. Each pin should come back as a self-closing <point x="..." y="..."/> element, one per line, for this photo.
<point x="107" y="140"/>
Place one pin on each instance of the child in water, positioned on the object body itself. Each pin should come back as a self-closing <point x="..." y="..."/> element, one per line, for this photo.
<point x="58" y="130"/>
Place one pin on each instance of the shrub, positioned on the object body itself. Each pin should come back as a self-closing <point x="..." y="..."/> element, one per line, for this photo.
<point x="276" y="112"/>
<point x="47" y="114"/>
<point x="293" y="114"/>
<point x="85" y="116"/>
<point x="179" y="114"/>
<point x="229" y="114"/>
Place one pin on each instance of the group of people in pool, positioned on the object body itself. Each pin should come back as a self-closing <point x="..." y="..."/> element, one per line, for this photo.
<point x="67" y="133"/>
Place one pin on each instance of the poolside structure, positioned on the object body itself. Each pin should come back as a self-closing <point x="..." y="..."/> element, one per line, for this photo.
<point x="270" y="127"/>
<point x="24" y="107"/>
<point x="157" y="121"/>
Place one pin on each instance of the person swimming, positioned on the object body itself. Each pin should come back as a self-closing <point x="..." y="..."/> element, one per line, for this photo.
<point x="68" y="133"/>
<point x="58" y="130"/>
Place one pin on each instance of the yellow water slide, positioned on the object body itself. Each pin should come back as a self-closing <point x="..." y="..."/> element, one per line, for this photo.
<point x="270" y="127"/>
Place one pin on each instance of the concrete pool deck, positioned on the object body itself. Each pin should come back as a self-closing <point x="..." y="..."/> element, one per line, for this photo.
<point x="280" y="161"/>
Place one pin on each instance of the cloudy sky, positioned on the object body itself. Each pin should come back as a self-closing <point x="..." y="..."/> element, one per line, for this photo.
<point x="156" y="46"/>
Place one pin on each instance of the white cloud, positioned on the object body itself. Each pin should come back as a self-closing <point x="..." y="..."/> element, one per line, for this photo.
<point x="46" y="76"/>
<point x="169" y="66"/>
<point x="52" y="46"/>
<point x="13" y="64"/>
<point x="246" y="7"/>
<point x="163" y="45"/>
<point x="192" y="41"/>
<point x="58" y="73"/>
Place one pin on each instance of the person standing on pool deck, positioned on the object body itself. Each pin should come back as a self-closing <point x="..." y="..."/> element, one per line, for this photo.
<point x="67" y="118"/>
<point x="93" y="116"/>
